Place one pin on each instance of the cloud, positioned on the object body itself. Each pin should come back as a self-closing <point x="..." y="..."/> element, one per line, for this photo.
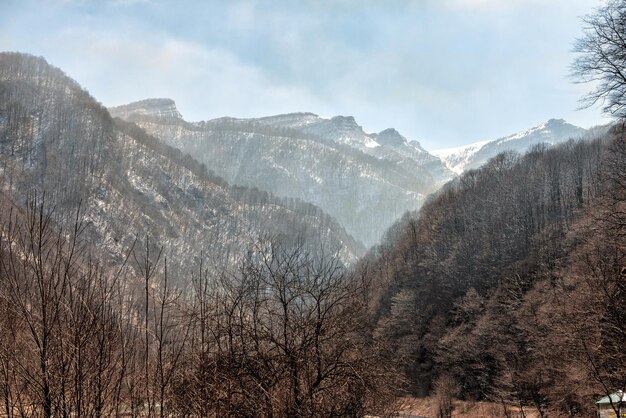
<point x="206" y="82"/>
<point x="508" y="5"/>
<point x="450" y="70"/>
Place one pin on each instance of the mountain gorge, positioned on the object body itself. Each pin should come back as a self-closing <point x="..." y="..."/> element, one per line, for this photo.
<point x="499" y="276"/>
<point x="365" y="181"/>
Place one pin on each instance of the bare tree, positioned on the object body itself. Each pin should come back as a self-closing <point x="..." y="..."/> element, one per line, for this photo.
<point x="446" y="389"/>
<point x="292" y="339"/>
<point x="602" y="58"/>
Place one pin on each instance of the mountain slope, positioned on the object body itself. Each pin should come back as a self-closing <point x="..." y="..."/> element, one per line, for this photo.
<point x="507" y="283"/>
<point x="365" y="181"/>
<point x="554" y="131"/>
<point x="56" y="138"/>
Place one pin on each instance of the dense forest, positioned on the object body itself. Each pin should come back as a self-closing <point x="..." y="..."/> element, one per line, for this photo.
<point x="507" y="286"/>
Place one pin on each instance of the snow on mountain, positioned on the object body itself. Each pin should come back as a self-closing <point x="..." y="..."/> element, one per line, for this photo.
<point x="457" y="158"/>
<point x="291" y="120"/>
<point x="344" y="130"/>
<point x="390" y="137"/>
<point x="554" y="131"/>
<point x="365" y="181"/>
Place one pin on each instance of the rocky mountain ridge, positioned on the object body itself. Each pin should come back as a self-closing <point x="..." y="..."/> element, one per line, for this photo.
<point x="366" y="181"/>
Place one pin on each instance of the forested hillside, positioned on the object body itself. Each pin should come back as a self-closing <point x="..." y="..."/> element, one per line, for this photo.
<point x="57" y="140"/>
<point x="506" y="286"/>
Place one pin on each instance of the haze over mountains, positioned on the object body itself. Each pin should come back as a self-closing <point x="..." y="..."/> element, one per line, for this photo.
<point x="364" y="180"/>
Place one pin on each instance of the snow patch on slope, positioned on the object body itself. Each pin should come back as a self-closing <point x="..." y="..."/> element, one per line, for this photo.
<point x="458" y="157"/>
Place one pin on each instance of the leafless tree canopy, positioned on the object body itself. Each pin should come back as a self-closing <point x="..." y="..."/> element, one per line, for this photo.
<point x="286" y="335"/>
<point x="601" y="58"/>
<point x="508" y="282"/>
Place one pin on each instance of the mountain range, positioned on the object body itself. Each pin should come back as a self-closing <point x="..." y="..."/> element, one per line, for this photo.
<point x="364" y="180"/>
<point x="215" y="186"/>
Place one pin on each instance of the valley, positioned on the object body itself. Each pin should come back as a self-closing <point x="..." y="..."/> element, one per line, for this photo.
<point x="204" y="243"/>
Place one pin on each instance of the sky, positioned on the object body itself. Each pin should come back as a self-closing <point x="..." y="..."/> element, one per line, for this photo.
<point x="443" y="72"/>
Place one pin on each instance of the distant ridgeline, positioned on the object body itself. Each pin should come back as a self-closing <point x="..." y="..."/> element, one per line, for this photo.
<point x="365" y="181"/>
<point x="552" y="132"/>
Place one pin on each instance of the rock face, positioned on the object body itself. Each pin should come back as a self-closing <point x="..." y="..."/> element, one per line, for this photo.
<point x="474" y="155"/>
<point x="390" y="137"/>
<point x="56" y="138"/>
<point x="365" y="181"/>
<point x="158" y="108"/>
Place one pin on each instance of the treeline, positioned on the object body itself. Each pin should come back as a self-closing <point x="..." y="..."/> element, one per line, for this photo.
<point x="284" y="335"/>
<point x="507" y="287"/>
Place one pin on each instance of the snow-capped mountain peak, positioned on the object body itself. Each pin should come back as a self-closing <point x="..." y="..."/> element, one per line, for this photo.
<point x="457" y="158"/>
<point x="553" y="131"/>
